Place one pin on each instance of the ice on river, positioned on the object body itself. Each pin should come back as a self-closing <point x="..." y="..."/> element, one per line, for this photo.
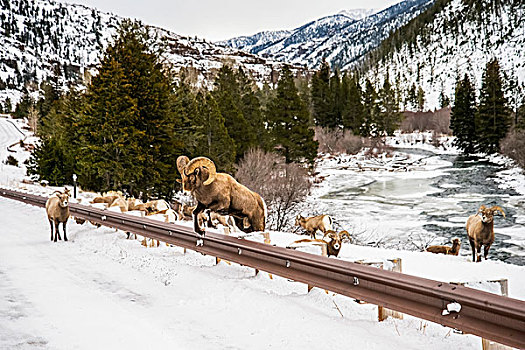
<point x="428" y="203"/>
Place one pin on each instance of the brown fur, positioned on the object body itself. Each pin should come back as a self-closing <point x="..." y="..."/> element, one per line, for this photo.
<point x="57" y="209"/>
<point x="444" y="249"/>
<point x="223" y="194"/>
<point x="312" y="224"/>
<point x="480" y="230"/>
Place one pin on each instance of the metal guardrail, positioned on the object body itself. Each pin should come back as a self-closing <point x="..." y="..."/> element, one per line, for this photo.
<point x="500" y="319"/>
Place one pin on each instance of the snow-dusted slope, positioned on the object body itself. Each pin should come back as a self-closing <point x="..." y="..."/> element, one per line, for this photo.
<point x="459" y="40"/>
<point x="342" y="38"/>
<point x="39" y="37"/>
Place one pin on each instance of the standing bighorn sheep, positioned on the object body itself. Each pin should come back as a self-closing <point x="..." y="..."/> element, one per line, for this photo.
<point x="57" y="209"/>
<point x="313" y="224"/>
<point x="445" y="249"/>
<point x="220" y="193"/>
<point x="480" y="230"/>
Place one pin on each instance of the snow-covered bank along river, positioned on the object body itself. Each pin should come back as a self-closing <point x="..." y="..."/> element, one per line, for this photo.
<point x="430" y="202"/>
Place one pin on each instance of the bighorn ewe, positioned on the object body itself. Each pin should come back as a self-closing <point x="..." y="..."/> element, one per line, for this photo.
<point x="57" y="208"/>
<point x="313" y="224"/>
<point x="445" y="249"/>
<point x="220" y="193"/>
<point x="332" y="247"/>
<point x="480" y="230"/>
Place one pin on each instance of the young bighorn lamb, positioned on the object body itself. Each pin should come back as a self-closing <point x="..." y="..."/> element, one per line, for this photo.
<point x="445" y="249"/>
<point x="480" y="230"/>
<point x="220" y="193"/>
<point x="57" y="209"/>
<point x="313" y="224"/>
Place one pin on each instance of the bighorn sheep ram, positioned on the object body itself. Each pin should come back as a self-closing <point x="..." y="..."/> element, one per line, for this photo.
<point x="332" y="247"/>
<point x="220" y="193"/>
<point x="445" y="249"/>
<point x="313" y="224"/>
<point x="57" y="209"/>
<point x="480" y="230"/>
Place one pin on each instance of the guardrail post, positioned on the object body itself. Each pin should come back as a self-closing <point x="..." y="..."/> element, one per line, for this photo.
<point x="324" y="252"/>
<point x="383" y="312"/>
<point x="504" y="291"/>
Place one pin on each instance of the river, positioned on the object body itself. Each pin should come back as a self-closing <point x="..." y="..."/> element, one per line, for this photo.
<point x="427" y="205"/>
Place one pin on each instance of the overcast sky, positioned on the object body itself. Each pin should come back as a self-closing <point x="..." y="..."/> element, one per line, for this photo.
<point x="219" y="20"/>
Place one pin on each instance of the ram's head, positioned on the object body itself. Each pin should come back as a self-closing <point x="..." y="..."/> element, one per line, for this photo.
<point x="198" y="172"/>
<point x="487" y="214"/>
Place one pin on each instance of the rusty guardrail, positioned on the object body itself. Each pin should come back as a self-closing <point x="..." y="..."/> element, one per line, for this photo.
<point x="500" y="319"/>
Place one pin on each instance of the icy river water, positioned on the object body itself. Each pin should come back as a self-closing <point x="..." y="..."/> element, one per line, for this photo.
<point x="428" y="205"/>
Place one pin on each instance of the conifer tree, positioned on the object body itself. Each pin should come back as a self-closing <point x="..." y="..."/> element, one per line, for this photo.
<point x="420" y="99"/>
<point x="335" y="117"/>
<point x="389" y="116"/>
<point x="54" y="159"/>
<point x="321" y="96"/>
<point x="213" y="139"/>
<point x="352" y="114"/>
<point x="493" y="117"/>
<point x="288" y="120"/>
<point x="251" y="109"/>
<point x="462" y="118"/>
<point x="411" y="99"/>
<point x="127" y="126"/>
<point x="370" y="111"/>
<point x="185" y="114"/>
<point x="228" y="97"/>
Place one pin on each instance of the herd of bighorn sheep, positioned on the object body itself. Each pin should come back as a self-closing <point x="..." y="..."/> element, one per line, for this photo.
<point x="222" y="200"/>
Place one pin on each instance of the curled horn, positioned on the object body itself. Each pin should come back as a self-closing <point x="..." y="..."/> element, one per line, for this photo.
<point x="202" y="162"/>
<point x="331" y="234"/>
<point x="182" y="161"/>
<point x="481" y="209"/>
<point x="345" y="233"/>
<point x="496" y="208"/>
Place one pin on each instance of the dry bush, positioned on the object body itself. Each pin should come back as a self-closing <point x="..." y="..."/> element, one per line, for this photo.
<point x="438" y="121"/>
<point x="282" y="186"/>
<point x="337" y="141"/>
<point x="376" y="146"/>
<point x="513" y="146"/>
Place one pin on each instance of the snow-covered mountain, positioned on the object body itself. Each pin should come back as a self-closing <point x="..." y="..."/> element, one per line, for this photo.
<point x="455" y="37"/>
<point x="341" y="39"/>
<point x="40" y="37"/>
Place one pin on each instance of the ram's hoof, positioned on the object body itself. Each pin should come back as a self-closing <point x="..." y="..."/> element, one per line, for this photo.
<point x="200" y="242"/>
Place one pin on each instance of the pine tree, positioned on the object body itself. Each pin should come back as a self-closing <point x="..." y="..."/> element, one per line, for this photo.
<point x="227" y="95"/>
<point x="321" y="96"/>
<point x="370" y="111"/>
<point x="420" y="99"/>
<point x="288" y="119"/>
<point x="251" y="109"/>
<point x="411" y="99"/>
<point x="462" y="118"/>
<point x="54" y="159"/>
<point x="213" y="139"/>
<point x="335" y="117"/>
<point x="493" y="118"/>
<point x="389" y="116"/>
<point x="127" y="126"/>
<point x="352" y="114"/>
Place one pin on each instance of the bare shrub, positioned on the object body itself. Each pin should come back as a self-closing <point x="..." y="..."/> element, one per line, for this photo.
<point x="336" y="141"/>
<point x="513" y="146"/>
<point x="283" y="186"/>
<point x="438" y="121"/>
<point x="376" y="146"/>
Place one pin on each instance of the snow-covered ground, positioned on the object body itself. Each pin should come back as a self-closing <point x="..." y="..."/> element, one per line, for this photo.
<point x="99" y="290"/>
